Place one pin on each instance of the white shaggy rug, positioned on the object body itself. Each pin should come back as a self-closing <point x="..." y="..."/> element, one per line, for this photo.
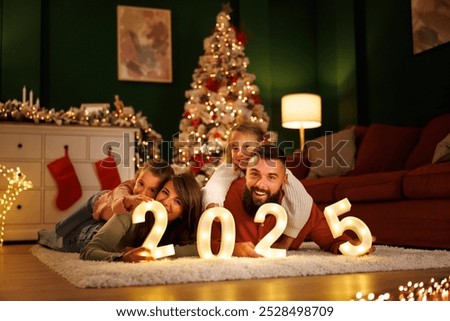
<point x="309" y="260"/>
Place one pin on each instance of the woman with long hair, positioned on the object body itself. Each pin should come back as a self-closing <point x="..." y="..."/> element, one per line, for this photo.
<point x="121" y="240"/>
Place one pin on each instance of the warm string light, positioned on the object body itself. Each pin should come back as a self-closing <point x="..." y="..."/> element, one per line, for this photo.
<point x="413" y="291"/>
<point x="16" y="184"/>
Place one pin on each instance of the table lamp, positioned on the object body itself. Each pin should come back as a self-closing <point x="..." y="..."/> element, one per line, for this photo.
<point x="301" y="111"/>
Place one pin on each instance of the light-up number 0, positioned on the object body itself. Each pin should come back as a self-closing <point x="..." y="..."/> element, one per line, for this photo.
<point x="229" y="232"/>
<point x="349" y="223"/>
<point x="158" y="229"/>
<point x="204" y="233"/>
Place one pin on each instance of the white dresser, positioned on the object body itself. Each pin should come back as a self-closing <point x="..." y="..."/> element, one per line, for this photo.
<point x="31" y="147"/>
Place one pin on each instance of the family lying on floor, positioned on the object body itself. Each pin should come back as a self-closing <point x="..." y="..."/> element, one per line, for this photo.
<point x="252" y="174"/>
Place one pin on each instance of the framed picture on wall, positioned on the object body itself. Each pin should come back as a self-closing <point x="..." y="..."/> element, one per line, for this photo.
<point x="144" y="44"/>
<point x="430" y="23"/>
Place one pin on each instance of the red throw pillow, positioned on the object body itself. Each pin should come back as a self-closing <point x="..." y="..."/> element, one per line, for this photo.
<point x="385" y="148"/>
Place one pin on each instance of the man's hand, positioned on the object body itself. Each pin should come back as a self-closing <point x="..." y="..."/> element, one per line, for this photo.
<point x="357" y="242"/>
<point x="283" y="242"/>
<point x="245" y="249"/>
<point x="136" y="255"/>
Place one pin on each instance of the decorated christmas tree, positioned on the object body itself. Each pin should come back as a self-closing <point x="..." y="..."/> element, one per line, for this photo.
<point x="222" y="94"/>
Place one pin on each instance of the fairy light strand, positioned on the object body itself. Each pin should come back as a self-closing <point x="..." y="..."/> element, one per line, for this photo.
<point x="413" y="291"/>
<point x="16" y="184"/>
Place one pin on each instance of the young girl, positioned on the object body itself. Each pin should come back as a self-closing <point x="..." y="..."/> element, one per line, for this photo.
<point x="120" y="240"/>
<point x="103" y="205"/>
<point x="244" y="139"/>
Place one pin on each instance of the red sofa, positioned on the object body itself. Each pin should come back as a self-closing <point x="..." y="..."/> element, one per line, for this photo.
<point x="393" y="186"/>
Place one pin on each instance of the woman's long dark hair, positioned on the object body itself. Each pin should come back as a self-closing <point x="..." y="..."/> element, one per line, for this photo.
<point x="183" y="230"/>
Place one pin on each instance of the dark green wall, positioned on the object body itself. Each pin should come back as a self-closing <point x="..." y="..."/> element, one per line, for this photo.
<point x="357" y="54"/>
<point x="20" y="47"/>
<point x="396" y="86"/>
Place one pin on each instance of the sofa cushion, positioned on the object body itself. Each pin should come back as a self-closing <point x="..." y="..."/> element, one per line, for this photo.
<point x="331" y="155"/>
<point x="322" y="189"/>
<point x="432" y="134"/>
<point x="428" y="181"/>
<point x="385" y="186"/>
<point x="385" y="148"/>
<point x="359" y="132"/>
<point x="298" y="165"/>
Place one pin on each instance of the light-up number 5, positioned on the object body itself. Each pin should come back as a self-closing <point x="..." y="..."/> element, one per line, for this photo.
<point x="204" y="233"/>
<point x="263" y="247"/>
<point x="158" y="229"/>
<point x="349" y="223"/>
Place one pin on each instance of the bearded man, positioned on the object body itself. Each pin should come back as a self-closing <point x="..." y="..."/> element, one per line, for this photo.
<point x="263" y="183"/>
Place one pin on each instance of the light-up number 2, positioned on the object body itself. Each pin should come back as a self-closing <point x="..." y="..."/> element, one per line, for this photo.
<point x="158" y="229"/>
<point x="349" y="223"/>
<point x="264" y="245"/>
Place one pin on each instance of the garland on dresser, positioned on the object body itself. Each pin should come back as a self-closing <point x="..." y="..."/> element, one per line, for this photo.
<point x="148" y="141"/>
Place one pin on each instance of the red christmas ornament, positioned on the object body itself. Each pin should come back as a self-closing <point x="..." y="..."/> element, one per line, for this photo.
<point x="197" y="162"/>
<point x="212" y="85"/>
<point x="240" y="36"/>
<point x="195" y="122"/>
<point x="233" y="80"/>
<point x="256" y="99"/>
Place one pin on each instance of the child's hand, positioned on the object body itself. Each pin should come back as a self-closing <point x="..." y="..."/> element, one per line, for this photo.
<point x="132" y="201"/>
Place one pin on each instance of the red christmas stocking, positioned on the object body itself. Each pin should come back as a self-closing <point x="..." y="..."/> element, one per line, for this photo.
<point x="69" y="188"/>
<point x="107" y="172"/>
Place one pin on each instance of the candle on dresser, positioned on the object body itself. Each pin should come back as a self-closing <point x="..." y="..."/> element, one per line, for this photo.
<point x="31" y="98"/>
<point x="24" y="95"/>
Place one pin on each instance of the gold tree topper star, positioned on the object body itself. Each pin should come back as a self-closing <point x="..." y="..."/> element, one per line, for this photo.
<point x="227" y="8"/>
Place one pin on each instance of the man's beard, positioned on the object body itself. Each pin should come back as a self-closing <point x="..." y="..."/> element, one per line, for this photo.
<point x="251" y="207"/>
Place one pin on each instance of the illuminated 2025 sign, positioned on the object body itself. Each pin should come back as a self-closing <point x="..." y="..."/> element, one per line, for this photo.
<point x="263" y="247"/>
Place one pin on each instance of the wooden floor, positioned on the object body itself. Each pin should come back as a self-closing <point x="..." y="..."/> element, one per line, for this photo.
<point x="24" y="277"/>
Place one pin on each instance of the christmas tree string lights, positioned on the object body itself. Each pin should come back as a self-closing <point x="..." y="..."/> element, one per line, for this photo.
<point x="16" y="184"/>
<point x="222" y="94"/>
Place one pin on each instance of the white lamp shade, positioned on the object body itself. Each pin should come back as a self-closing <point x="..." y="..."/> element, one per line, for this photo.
<point x="301" y="111"/>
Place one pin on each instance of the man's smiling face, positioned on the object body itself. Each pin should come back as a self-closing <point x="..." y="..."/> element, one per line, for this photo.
<point x="264" y="180"/>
